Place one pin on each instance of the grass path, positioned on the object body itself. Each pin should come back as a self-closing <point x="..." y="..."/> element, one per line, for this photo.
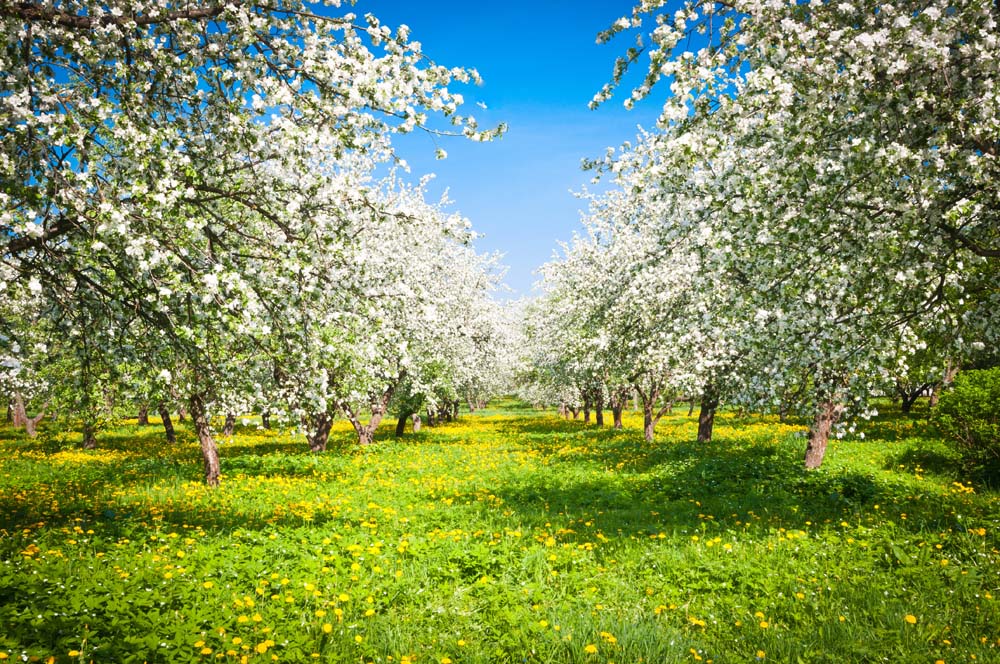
<point x="508" y="536"/>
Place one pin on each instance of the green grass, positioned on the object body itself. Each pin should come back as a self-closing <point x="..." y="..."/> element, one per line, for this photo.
<point x="508" y="536"/>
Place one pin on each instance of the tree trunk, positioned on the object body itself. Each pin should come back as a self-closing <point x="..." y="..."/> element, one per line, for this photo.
<point x="472" y="406"/>
<point x="318" y="431"/>
<point x="265" y="419"/>
<point x="168" y="426"/>
<point x="20" y="415"/>
<point x="430" y="418"/>
<point x="599" y="408"/>
<point x="21" y="418"/>
<point x="143" y="418"/>
<point x="616" y="414"/>
<point x="10" y="413"/>
<point x="209" y="451"/>
<point x="576" y="413"/>
<point x="691" y="406"/>
<point x="908" y="401"/>
<point x="706" y="417"/>
<point x="819" y="434"/>
<point x="230" y="426"/>
<point x="89" y="436"/>
<point x="416" y="422"/>
<point x="949" y="376"/>
<point x="401" y="424"/>
<point x="586" y="412"/>
<point x="454" y="409"/>
<point x="648" y="422"/>
<point x="181" y="413"/>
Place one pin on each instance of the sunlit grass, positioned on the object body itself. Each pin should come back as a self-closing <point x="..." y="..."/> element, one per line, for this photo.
<point x="510" y="535"/>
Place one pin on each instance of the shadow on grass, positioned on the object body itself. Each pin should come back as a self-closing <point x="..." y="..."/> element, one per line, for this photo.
<point x="625" y="486"/>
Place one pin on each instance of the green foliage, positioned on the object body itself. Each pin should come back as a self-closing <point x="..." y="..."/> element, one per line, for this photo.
<point x="969" y="415"/>
<point x="510" y="537"/>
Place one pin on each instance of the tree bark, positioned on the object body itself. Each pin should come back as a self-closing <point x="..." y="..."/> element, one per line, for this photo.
<point x="401" y="424"/>
<point x="168" y="426"/>
<point x="599" y="408"/>
<point x="366" y="432"/>
<point x="454" y="409"/>
<point x="89" y="436"/>
<point x="265" y="419"/>
<point x="949" y="376"/>
<point x="586" y="412"/>
<point x="416" y="422"/>
<point x="691" y="406"/>
<point x="230" y="426"/>
<point x="318" y="431"/>
<point x="209" y="451"/>
<point x="20" y="415"/>
<point x="143" y="418"/>
<point x="706" y="417"/>
<point x="576" y="413"/>
<point x="648" y="422"/>
<point x="21" y="418"/>
<point x="651" y="416"/>
<point x="827" y="413"/>
<point x="616" y="414"/>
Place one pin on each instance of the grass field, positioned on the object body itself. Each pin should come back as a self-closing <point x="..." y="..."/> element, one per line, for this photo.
<point x="508" y="536"/>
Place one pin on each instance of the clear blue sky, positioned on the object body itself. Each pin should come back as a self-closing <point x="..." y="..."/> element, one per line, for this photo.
<point x="540" y="66"/>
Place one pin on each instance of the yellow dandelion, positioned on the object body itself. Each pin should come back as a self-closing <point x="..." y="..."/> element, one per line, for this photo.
<point x="72" y="653"/>
<point x="764" y="624"/>
<point x="327" y="628"/>
<point x="206" y="651"/>
<point x="910" y="618"/>
<point x="761" y="654"/>
<point x="590" y="649"/>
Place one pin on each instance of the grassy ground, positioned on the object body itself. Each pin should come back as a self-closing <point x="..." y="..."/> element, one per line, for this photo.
<point x="509" y="536"/>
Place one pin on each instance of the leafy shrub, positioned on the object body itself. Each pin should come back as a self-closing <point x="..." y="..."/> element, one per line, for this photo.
<point x="969" y="414"/>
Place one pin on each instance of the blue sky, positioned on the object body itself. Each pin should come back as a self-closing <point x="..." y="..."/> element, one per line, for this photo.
<point x="541" y="66"/>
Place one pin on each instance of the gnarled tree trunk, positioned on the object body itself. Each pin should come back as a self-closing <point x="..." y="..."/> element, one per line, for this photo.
<point x="401" y="423"/>
<point x="318" y="431"/>
<point x="706" y="417"/>
<point x="265" y="419"/>
<point x="21" y="419"/>
<point x="89" y="436"/>
<point x="230" y="426"/>
<point x="599" y="408"/>
<point x="209" y="450"/>
<point x="827" y="413"/>
<point x="168" y="426"/>
<point x="616" y="415"/>
<point x="143" y="417"/>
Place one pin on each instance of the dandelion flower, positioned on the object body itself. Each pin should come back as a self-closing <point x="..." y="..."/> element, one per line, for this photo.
<point x="590" y="649"/>
<point x="910" y="618"/>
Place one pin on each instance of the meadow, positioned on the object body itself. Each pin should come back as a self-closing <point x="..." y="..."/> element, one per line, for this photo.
<point x="508" y="536"/>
